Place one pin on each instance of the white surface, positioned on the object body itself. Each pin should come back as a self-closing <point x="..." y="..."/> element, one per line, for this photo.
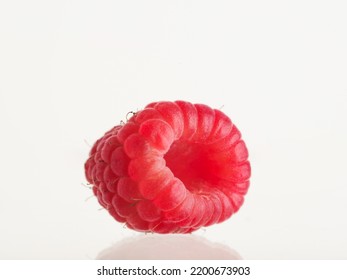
<point x="70" y="70"/>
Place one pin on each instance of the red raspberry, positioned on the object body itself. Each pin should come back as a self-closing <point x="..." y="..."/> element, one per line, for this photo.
<point x="174" y="167"/>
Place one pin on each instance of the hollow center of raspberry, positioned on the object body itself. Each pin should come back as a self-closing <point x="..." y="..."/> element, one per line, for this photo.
<point x="189" y="163"/>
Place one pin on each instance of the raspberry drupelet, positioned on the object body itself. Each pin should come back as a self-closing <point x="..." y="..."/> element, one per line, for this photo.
<point x="173" y="167"/>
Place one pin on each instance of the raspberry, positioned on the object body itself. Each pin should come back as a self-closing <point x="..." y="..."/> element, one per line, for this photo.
<point x="174" y="167"/>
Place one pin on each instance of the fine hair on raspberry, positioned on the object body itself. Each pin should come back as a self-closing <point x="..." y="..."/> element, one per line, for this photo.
<point x="173" y="167"/>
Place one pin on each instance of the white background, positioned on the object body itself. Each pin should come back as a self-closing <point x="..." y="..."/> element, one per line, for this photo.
<point x="70" y="70"/>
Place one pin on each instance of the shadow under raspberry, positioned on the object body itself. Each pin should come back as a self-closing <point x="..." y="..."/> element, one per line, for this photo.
<point x="168" y="247"/>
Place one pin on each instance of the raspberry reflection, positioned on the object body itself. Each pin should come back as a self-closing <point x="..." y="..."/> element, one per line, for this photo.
<point x="168" y="247"/>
